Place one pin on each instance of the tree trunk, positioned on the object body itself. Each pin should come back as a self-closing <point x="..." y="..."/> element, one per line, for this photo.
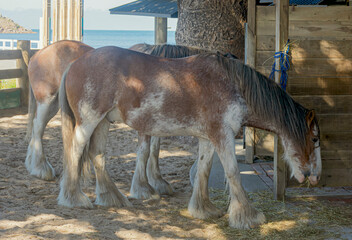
<point x="212" y="24"/>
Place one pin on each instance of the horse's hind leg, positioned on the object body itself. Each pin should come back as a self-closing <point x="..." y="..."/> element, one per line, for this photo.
<point x="153" y="172"/>
<point x="35" y="162"/>
<point x="241" y="213"/>
<point x="71" y="194"/>
<point x="106" y="191"/>
<point x="140" y="187"/>
<point x="200" y="205"/>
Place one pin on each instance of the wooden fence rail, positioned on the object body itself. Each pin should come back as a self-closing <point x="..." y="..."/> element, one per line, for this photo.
<point x="19" y="96"/>
<point x="11" y="73"/>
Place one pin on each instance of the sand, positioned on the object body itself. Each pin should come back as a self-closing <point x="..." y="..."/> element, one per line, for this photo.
<point x="29" y="209"/>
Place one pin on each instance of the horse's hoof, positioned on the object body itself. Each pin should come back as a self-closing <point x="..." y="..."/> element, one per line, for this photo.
<point x="246" y="221"/>
<point x="204" y="210"/>
<point x="79" y="199"/>
<point x="143" y="192"/>
<point x="45" y="171"/>
<point x="161" y="186"/>
<point x="111" y="199"/>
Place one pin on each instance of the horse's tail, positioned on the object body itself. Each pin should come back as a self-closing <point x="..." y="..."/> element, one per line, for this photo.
<point x="32" y="108"/>
<point x="68" y="125"/>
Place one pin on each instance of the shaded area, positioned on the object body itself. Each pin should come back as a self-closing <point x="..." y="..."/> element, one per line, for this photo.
<point x="29" y="210"/>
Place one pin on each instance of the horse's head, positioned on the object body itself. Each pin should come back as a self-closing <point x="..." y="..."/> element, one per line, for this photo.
<point x="306" y="161"/>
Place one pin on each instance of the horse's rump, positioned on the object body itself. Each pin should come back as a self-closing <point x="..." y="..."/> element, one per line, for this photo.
<point x="45" y="71"/>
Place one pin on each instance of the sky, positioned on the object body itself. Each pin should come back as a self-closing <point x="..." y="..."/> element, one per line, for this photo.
<point x="96" y="15"/>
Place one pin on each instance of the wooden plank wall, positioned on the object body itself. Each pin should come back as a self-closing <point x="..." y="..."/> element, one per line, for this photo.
<point x="320" y="77"/>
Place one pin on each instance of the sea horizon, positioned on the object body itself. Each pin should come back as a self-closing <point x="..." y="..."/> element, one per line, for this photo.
<point x="100" y="38"/>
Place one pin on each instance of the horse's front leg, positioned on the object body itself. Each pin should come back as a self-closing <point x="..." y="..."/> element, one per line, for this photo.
<point x="200" y="205"/>
<point x="153" y="172"/>
<point x="140" y="187"/>
<point x="106" y="191"/>
<point x="241" y="213"/>
<point x="36" y="163"/>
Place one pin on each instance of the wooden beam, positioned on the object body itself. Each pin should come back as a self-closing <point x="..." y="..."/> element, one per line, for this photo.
<point x="251" y="38"/>
<point x="46" y="22"/>
<point x="70" y="19"/>
<point x="22" y="82"/>
<point x="331" y="13"/>
<point x="78" y="20"/>
<point x="160" y="30"/>
<point x="56" y="20"/>
<point x="10" y="73"/>
<point x="10" y="54"/>
<point x="63" y="20"/>
<point x="282" y="22"/>
<point x="249" y="144"/>
<point x="250" y="59"/>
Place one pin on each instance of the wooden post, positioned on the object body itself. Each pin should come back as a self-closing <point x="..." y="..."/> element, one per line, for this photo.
<point x="63" y="20"/>
<point x="70" y="19"/>
<point x="250" y="59"/>
<point x="78" y="20"/>
<point x="160" y="30"/>
<point x="282" y="21"/>
<point x="56" y="20"/>
<point x="279" y="170"/>
<point x="46" y="23"/>
<point x="22" y="63"/>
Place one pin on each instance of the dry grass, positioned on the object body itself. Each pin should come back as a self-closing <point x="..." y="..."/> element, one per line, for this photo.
<point x="299" y="219"/>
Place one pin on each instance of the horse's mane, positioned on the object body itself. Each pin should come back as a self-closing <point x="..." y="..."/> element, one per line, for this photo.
<point x="173" y="51"/>
<point x="266" y="99"/>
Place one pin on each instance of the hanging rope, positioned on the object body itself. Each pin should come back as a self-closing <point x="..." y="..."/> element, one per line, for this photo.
<point x="284" y="61"/>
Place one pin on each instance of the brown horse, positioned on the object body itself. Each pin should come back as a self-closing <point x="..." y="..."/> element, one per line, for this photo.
<point x="207" y="96"/>
<point x="45" y="71"/>
<point x="152" y="173"/>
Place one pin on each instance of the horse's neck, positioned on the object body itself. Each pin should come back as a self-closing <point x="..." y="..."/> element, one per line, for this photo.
<point x="257" y="122"/>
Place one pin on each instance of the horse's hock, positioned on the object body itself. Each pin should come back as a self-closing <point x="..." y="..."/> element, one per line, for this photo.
<point x="320" y="78"/>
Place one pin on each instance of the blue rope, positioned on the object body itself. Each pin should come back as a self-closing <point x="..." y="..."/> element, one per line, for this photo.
<point x="284" y="65"/>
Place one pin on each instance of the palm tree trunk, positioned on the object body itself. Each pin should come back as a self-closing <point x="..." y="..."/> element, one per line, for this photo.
<point x="212" y="24"/>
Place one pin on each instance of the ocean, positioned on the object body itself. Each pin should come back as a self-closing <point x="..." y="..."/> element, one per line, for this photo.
<point x="100" y="38"/>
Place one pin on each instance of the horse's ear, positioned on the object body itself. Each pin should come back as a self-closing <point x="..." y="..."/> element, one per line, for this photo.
<point x="310" y="117"/>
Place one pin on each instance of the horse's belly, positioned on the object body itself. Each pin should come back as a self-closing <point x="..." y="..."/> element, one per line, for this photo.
<point x="173" y="128"/>
<point x="158" y="124"/>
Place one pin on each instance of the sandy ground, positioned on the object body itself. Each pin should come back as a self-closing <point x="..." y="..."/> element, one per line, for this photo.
<point x="29" y="210"/>
<point x="28" y="206"/>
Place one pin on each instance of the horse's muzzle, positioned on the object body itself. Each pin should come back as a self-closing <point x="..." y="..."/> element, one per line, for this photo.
<point x="314" y="179"/>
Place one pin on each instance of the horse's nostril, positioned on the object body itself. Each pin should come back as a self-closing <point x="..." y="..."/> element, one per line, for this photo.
<point x="318" y="178"/>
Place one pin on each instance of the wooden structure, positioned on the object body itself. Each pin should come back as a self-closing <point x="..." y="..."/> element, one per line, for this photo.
<point x="320" y="77"/>
<point x="160" y="9"/>
<point x="67" y="21"/>
<point x="18" y="96"/>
